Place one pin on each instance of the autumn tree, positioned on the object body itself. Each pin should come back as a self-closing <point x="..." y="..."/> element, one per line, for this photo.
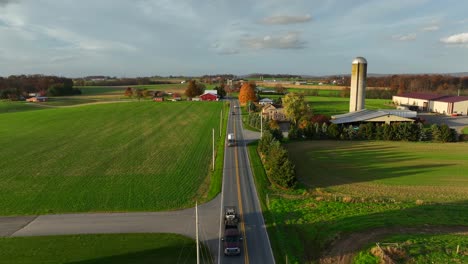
<point x="129" y="92"/>
<point x="247" y="93"/>
<point x="295" y="107"/>
<point x="194" y="89"/>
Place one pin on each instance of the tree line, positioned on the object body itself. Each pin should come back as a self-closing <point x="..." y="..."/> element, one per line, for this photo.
<point x="443" y="84"/>
<point x="371" y="131"/>
<point x="118" y="81"/>
<point x="16" y="86"/>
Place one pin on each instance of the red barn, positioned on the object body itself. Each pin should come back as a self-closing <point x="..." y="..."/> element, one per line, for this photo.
<point x="209" y="97"/>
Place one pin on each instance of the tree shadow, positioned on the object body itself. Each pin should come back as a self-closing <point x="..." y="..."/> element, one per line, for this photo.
<point x="354" y="162"/>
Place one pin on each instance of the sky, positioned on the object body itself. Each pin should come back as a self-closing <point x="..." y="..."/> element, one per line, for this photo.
<point x="129" y="38"/>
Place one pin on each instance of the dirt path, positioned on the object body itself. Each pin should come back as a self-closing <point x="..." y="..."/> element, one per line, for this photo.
<point x="342" y="251"/>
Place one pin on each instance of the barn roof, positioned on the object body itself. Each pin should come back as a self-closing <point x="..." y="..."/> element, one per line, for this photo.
<point x="453" y="99"/>
<point x="363" y="115"/>
<point x="423" y="96"/>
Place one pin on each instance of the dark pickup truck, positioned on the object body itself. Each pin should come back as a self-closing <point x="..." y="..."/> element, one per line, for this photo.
<point x="231" y="236"/>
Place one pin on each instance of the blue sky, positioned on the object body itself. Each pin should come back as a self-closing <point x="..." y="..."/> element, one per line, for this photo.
<point x="192" y="37"/>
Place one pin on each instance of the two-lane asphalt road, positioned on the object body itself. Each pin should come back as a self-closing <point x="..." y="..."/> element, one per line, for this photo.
<point x="239" y="190"/>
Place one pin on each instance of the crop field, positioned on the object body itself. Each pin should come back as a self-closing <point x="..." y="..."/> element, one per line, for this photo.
<point x="321" y="210"/>
<point x="400" y="170"/>
<point x="87" y="249"/>
<point x="136" y="156"/>
<point x="421" y="249"/>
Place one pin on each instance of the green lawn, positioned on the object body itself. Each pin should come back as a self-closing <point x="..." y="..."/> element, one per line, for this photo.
<point x="326" y="105"/>
<point x="111" y="157"/>
<point x="302" y="223"/>
<point x="401" y="170"/>
<point x="422" y="249"/>
<point x="465" y="130"/>
<point x="88" y="249"/>
<point x="11" y="107"/>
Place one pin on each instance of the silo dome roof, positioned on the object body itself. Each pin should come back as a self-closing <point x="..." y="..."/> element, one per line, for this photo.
<point x="359" y="60"/>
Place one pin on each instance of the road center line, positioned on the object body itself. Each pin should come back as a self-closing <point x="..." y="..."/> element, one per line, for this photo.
<point x="239" y="198"/>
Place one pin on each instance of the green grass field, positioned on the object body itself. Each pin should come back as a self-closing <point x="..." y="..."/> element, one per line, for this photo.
<point x="326" y="105"/>
<point x="422" y="249"/>
<point x="465" y="130"/>
<point x="111" y="157"/>
<point x="88" y="249"/>
<point x="11" y="107"/>
<point x="302" y="223"/>
<point x="400" y="170"/>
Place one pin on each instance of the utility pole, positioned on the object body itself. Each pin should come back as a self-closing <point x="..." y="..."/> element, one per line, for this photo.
<point x="196" y="232"/>
<point x="213" y="149"/>
<point x="261" y="125"/>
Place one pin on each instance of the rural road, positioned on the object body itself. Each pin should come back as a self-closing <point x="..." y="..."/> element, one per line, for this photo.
<point x="238" y="190"/>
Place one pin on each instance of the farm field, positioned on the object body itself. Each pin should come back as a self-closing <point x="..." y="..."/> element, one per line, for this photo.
<point x="106" y="158"/>
<point x="87" y="249"/>
<point x="10" y="107"/>
<point x="401" y="170"/>
<point x="310" y="219"/>
<point x="421" y="249"/>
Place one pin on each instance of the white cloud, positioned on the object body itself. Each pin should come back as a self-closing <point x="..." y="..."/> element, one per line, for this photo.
<point x="290" y="40"/>
<point x="457" y="39"/>
<point x="431" y="28"/>
<point x="284" y="20"/>
<point x="407" y="37"/>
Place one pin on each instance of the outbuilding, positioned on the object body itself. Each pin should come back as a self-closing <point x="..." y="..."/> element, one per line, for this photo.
<point x="265" y="101"/>
<point x="375" y="116"/>
<point x="443" y="104"/>
<point x="453" y="105"/>
<point x="209" y="97"/>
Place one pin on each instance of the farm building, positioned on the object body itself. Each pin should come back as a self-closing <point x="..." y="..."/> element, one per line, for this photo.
<point x="265" y="101"/>
<point x="37" y="99"/>
<point x="444" y="104"/>
<point x="208" y="97"/>
<point x="274" y="113"/>
<point x="215" y="92"/>
<point x="453" y="105"/>
<point x="379" y="116"/>
<point x="158" y="99"/>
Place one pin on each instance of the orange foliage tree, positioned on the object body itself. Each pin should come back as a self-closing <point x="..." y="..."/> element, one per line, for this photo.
<point x="247" y="93"/>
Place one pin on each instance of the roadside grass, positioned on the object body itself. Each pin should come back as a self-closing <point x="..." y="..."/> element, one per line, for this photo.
<point x="108" y="248"/>
<point x="465" y="130"/>
<point x="216" y="177"/>
<point x="421" y="249"/>
<point x="137" y="156"/>
<point x="377" y="169"/>
<point x="302" y="224"/>
<point x="12" y="107"/>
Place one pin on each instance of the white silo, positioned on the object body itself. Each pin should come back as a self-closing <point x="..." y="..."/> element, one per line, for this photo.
<point x="358" y="84"/>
